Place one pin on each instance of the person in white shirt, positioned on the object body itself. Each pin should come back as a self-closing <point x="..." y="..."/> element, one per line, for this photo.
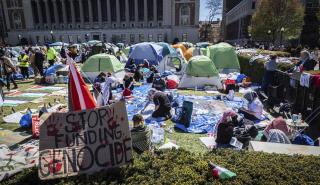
<point x="254" y="111"/>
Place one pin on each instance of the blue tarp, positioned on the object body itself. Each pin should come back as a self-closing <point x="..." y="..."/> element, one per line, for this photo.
<point x="53" y="69"/>
<point x="203" y="119"/>
<point x="150" y="51"/>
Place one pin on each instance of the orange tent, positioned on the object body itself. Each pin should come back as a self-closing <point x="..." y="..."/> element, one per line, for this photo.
<point x="183" y="49"/>
<point x="188" y="54"/>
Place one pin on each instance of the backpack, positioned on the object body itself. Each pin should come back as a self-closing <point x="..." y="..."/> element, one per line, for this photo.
<point x="302" y="139"/>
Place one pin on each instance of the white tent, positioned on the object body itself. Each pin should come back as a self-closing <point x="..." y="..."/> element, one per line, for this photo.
<point x="173" y="63"/>
<point x="199" y="73"/>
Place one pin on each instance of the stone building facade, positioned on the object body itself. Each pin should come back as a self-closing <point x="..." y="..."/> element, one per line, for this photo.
<point x="129" y="21"/>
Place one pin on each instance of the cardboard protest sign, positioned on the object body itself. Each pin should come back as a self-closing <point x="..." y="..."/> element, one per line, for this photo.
<point x="84" y="142"/>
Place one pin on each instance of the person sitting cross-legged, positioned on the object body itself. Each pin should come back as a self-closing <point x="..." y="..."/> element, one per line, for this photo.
<point x="140" y="134"/>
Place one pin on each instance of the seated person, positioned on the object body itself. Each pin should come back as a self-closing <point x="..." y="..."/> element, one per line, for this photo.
<point x="255" y="107"/>
<point x="128" y="82"/>
<point x="140" y="135"/>
<point x="159" y="83"/>
<point x="138" y="76"/>
<point x="306" y="63"/>
<point x="224" y="130"/>
<point x="97" y="84"/>
<point x="277" y="132"/>
<point x="150" y="76"/>
<point x="161" y="102"/>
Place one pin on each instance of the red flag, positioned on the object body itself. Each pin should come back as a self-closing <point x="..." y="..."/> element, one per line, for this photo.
<point x="81" y="97"/>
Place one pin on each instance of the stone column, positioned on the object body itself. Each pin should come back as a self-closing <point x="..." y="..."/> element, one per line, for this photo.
<point x="127" y="11"/>
<point x="73" y="15"/>
<point x="136" y="15"/>
<point x="109" y="11"/>
<point x="64" y="12"/>
<point x="48" y="13"/>
<point x="55" y="9"/>
<point x="81" y="12"/>
<point x="90" y="12"/>
<point x="155" y="12"/>
<point x="39" y="13"/>
<point x="145" y="6"/>
<point x="99" y="12"/>
<point x="118" y="11"/>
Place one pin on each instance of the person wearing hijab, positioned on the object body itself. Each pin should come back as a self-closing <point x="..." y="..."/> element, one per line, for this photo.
<point x="255" y="106"/>
<point x="277" y="132"/>
<point x="278" y="124"/>
<point x="224" y="129"/>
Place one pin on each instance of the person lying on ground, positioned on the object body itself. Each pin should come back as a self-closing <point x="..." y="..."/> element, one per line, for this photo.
<point x="140" y="135"/>
<point x="162" y="104"/>
<point x="255" y="107"/>
<point x="159" y="83"/>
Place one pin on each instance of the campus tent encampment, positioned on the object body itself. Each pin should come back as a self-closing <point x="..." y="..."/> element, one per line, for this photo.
<point x="146" y="50"/>
<point x="167" y="49"/>
<point x="172" y="62"/>
<point x="224" y="57"/>
<point x="96" y="64"/>
<point x="200" y="72"/>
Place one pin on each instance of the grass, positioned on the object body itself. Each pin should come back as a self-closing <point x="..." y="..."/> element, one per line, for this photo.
<point x="23" y="86"/>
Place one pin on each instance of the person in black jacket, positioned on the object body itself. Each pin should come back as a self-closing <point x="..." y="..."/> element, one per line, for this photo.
<point x="159" y="83"/>
<point x="306" y="63"/>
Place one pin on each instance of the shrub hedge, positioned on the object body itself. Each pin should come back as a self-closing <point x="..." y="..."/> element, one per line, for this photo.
<point x="256" y="70"/>
<point x="182" y="167"/>
<point x="277" y="53"/>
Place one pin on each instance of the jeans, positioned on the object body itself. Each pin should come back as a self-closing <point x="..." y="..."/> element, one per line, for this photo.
<point x="10" y="78"/>
<point x="24" y="72"/>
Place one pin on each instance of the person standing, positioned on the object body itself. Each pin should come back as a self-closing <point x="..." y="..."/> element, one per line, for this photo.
<point x="269" y="70"/>
<point x="51" y="55"/>
<point x="38" y="61"/>
<point x="8" y="69"/>
<point x="24" y="64"/>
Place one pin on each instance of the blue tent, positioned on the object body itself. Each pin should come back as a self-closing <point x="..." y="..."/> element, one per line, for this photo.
<point x="146" y="50"/>
<point x="53" y="69"/>
<point x="167" y="49"/>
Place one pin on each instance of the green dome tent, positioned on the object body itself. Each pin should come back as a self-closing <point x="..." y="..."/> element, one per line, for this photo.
<point x="200" y="72"/>
<point x="96" y="64"/>
<point x="201" y="66"/>
<point x="224" y="57"/>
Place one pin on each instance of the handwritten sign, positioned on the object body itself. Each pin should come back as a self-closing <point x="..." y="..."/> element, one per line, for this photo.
<point x="35" y="126"/>
<point x="84" y="142"/>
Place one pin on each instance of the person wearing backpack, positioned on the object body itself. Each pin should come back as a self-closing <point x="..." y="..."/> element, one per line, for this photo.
<point x="8" y="70"/>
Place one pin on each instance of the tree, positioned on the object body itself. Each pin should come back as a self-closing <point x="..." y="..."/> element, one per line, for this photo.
<point x="277" y="18"/>
<point x="215" y="8"/>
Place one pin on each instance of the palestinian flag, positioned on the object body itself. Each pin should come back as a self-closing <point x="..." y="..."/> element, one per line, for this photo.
<point x="220" y="172"/>
<point x="80" y="97"/>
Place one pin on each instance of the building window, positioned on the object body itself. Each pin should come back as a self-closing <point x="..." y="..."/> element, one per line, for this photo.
<point x="141" y="38"/>
<point x="150" y="25"/>
<point x="160" y="24"/>
<point x="123" y="25"/>
<point x="185" y="15"/>
<point x="150" y="38"/>
<point x="104" y="12"/>
<point x="184" y="37"/>
<point x="132" y="10"/>
<point x="85" y="6"/>
<point x="141" y="10"/>
<point x="160" y="38"/>
<point x="104" y="36"/>
<point x="17" y="20"/>
<point x="150" y="10"/>
<point x="253" y="6"/>
<point x="37" y="38"/>
<point x="132" y="25"/>
<point x="123" y="38"/>
<point x="113" y="9"/>
<point x="160" y="10"/>
<point x="132" y="38"/>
